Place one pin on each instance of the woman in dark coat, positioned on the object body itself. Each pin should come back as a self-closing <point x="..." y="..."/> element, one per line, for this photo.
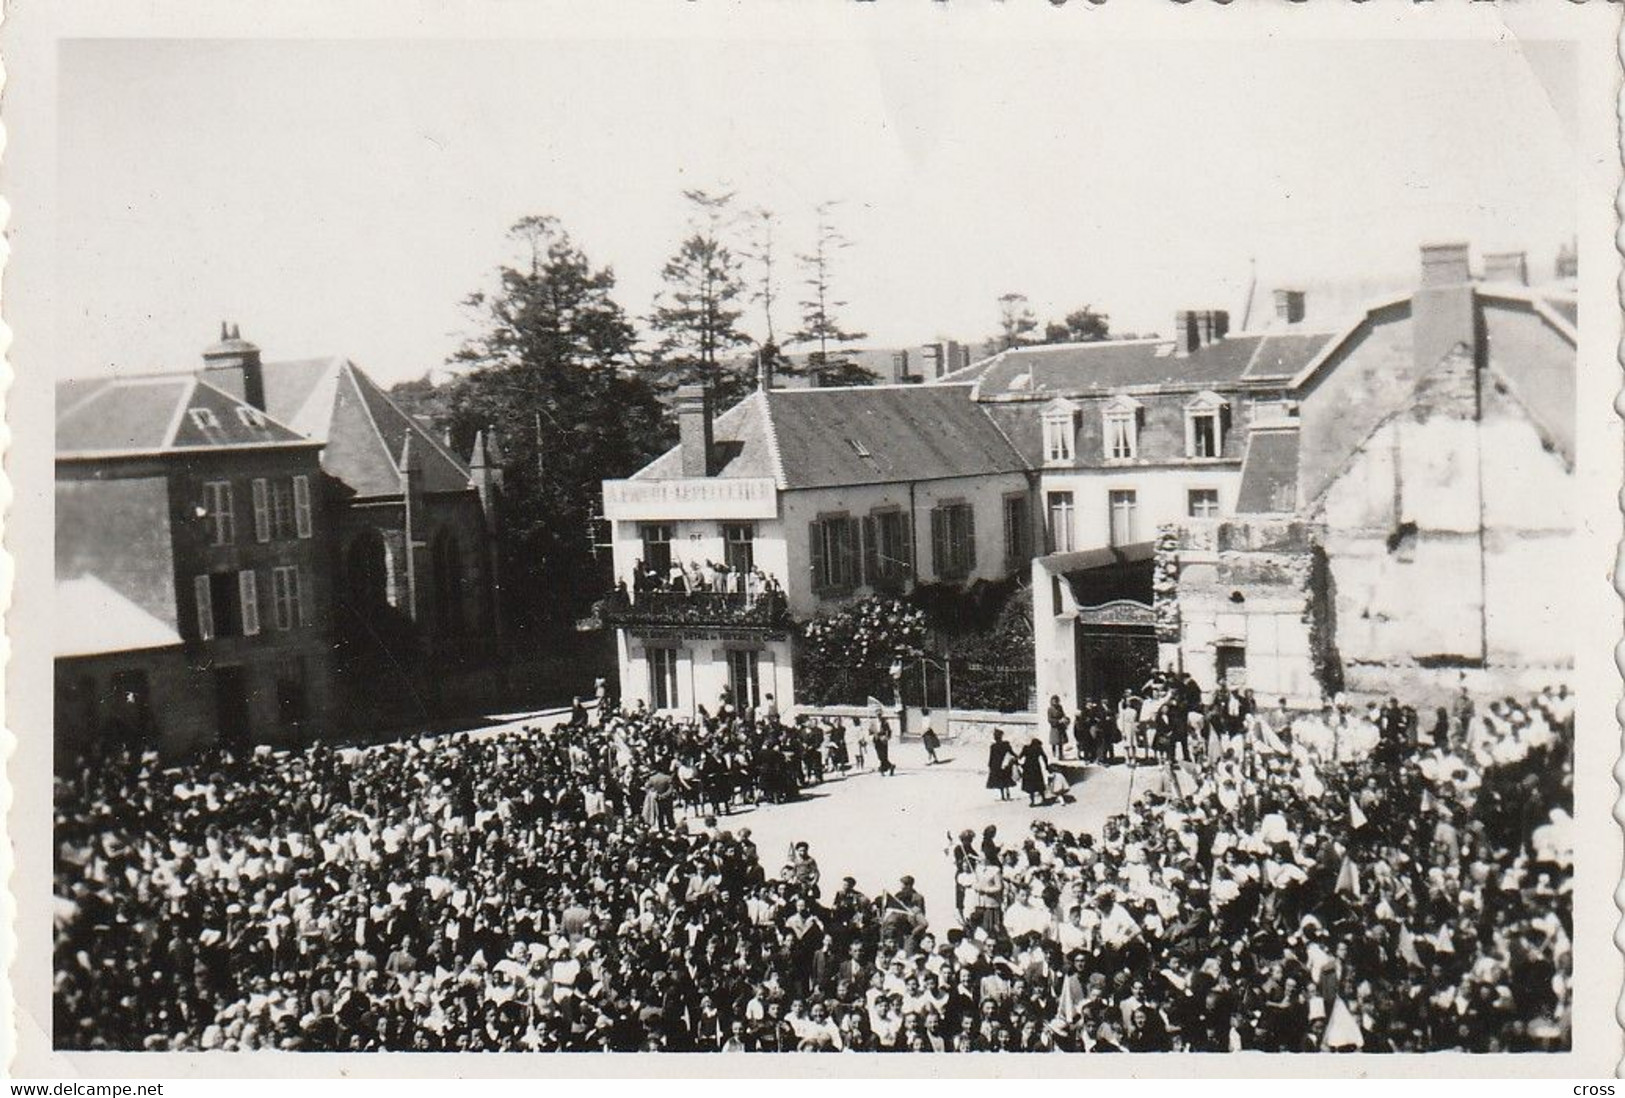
<point x="999" y="756"/>
<point x="1034" y="766"/>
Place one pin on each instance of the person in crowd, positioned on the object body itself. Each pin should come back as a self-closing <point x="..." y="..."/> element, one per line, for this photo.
<point x="1057" y="718"/>
<point x="1035" y="772"/>
<point x="1000" y="757"/>
<point x="929" y="738"/>
<point x="881" y="734"/>
<point x="507" y="891"/>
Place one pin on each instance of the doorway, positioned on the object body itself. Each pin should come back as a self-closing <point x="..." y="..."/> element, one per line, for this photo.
<point x="1230" y="664"/>
<point x="1112" y="662"/>
<point x="231" y="706"/>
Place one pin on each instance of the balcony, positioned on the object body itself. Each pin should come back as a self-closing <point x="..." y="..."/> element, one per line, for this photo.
<point x="764" y="612"/>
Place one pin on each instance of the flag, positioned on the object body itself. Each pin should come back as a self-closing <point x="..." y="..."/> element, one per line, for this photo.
<point x="1356" y="817"/>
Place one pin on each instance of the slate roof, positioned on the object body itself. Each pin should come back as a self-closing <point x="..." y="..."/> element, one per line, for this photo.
<point x="1269" y="472"/>
<point x="333" y="401"/>
<point x="819" y="438"/>
<point x="1085" y="369"/>
<point x="115" y="571"/>
<point x="150" y="414"/>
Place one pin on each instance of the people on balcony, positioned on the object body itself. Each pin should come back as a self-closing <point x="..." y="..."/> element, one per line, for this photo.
<point x="696" y="579"/>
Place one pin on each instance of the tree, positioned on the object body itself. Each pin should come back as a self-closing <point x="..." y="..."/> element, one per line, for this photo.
<point x="759" y="252"/>
<point x="697" y="314"/>
<point x="1080" y="326"/>
<point x="550" y="371"/>
<point x="819" y="323"/>
<point x="1016" y="323"/>
<point x="845" y="655"/>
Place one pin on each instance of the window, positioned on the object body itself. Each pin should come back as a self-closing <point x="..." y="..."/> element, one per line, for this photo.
<point x="248" y="589"/>
<point x="1061" y="524"/>
<point x="1205" y="420"/>
<point x="290" y="691"/>
<point x="662" y="678"/>
<point x="446" y="559"/>
<point x="953" y="540"/>
<point x="203" y="418"/>
<point x="1123" y="505"/>
<point x="227" y="604"/>
<point x="1121" y="422"/>
<point x="1060" y="432"/>
<point x="656" y="546"/>
<point x="282" y="510"/>
<point x="886" y="551"/>
<point x="833" y="543"/>
<point x="742" y="680"/>
<point x="287" y="598"/>
<point x="217" y="512"/>
<point x="1056" y="605"/>
<point x="250" y="417"/>
<point x="1018" y="533"/>
<point x="1202" y="503"/>
<point x="301" y="505"/>
<point x="262" y="510"/>
<point x="739" y="546"/>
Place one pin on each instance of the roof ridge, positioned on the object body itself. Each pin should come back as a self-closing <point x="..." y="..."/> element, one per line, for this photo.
<point x="101" y="387"/>
<point x="348" y="369"/>
<point x="412" y="425"/>
<point x="771" y="431"/>
<point x="1548" y="435"/>
<point x="181" y="405"/>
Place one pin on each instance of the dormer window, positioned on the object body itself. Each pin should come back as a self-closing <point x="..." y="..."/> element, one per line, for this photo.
<point x="203" y="418"/>
<point x="1060" y="432"/>
<point x="250" y="417"/>
<point x="1206" y="419"/>
<point x="1121" y="417"/>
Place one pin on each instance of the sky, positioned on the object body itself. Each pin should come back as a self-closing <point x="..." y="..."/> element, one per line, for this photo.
<point x="344" y="197"/>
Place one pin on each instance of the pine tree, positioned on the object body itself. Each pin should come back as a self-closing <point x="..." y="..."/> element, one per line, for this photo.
<point x="697" y="314"/>
<point x="551" y="369"/>
<point x="819" y="323"/>
<point x="1016" y="323"/>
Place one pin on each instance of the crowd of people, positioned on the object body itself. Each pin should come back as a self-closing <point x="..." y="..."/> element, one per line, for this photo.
<point x="578" y="890"/>
<point x="697" y="578"/>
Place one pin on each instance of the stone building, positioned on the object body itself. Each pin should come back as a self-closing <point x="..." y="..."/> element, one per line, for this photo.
<point x="1408" y="530"/>
<point x="415" y="534"/>
<point x="835" y="493"/>
<point x="193" y="601"/>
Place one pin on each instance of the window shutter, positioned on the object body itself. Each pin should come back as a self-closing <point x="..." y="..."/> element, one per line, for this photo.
<point x="939" y="545"/>
<point x="262" y="510"/>
<point x="205" y="607"/>
<point x="296" y="580"/>
<point x="905" y="551"/>
<point x="852" y="575"/>
<point x="301" y="505"/>
<point x="871" y="550"/>
<point x="970" y="539"/>
<point x="1012" y="548"/>
<point x="815" y="547"/>
<point x="249" y="590"/>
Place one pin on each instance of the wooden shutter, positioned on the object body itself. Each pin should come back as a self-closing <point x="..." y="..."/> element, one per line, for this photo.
<point x="815" y="549"/>
<point x="262" y="510"/>
<point x="939" y="541"/>
<point x="852" y="549"/>
<point x="248" y="588"/>
<point x="871" y="550"/>
<point x="296" y="580"/>
<point x="905" y="551"/>
<point x="301" y="506"/>
<point x="969" y="554"/>
<point x="1012" y="549"/>
<point x="205" y="607"/>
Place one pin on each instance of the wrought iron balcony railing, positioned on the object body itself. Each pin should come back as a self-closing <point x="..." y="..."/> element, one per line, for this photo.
<point x="764" y="610"/>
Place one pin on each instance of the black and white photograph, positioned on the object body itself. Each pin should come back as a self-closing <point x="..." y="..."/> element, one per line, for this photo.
<point x="895" y="530"/>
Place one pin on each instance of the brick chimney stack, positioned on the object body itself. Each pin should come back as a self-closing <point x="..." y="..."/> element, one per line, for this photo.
<point x="694" y="430"/>
<point x="1194" y="328"/>
<point x="1507" y="267"/>
<point x="233" y="364"/>
<point x="1443" y="314"/>
<point x="1289" y="306"/>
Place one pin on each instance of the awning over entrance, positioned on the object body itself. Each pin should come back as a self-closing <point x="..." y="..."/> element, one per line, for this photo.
<point x="1111" y="585"/>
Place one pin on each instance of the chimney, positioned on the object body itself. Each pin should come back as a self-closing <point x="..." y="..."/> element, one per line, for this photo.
<point x="1289" y="306"/>
<point x="1445" y="265"/>
<point x="694" y="430"/>
<point x="1442" y="309"/>
<point x="233" y="364"/>
<point x="764" y="367"/>
<point x="1195" y="328"/>
<point x="1508" y="267"/>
